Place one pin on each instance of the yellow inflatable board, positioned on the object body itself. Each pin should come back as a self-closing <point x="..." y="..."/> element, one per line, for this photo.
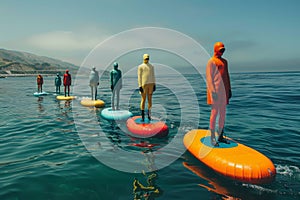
<point x="65" y="97"/>
<point x="92" y="103"/>
<point x="233" y="160"/>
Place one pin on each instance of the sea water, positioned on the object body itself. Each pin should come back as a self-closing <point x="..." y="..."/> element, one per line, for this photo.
<point x="52" y="149"/>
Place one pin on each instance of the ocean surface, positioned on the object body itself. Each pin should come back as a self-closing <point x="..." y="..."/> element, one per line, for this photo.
<point x="52" y="149"/>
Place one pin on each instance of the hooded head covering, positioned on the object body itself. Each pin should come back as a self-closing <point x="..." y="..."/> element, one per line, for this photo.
<point x="219" y="46"/>
<point x="146" y="56"/>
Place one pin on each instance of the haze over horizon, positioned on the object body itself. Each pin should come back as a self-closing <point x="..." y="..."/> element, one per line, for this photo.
<point x="258" y="35"/>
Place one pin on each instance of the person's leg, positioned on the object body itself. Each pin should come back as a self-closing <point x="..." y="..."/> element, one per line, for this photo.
<point x="213" y="116"/>
<point x="58" y="89"/>
<point x="118" y="99"/>
<point x="65" y="90"/>
<point x="92" y="92"/>
<point x="41" y="88"/>
<point x="96" y="93"/>
<point x="222" y="114"/>
<point x="212" y="122"/>
<point x="142" y="105"/>
<point x="68" y="90"/>
<point x="149" y="95"/>
<point x="113" y="99"/>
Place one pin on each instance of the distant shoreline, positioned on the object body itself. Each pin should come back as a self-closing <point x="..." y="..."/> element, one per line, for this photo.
<point x="22" y="75"/>
<point x="31" y="73"/>
<point x="2" y="75"/>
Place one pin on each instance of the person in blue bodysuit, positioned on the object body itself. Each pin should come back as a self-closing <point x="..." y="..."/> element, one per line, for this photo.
<point x="115" y="86"/>
<point x="57" y="83"/>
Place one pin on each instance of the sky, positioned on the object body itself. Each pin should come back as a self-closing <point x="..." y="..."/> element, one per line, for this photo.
<point x="258" y="35"/>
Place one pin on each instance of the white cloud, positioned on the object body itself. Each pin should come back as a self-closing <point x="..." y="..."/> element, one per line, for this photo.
<point x="64" y="41"/>
<point x="93" y="46"/>
<point x="71" y="46"/>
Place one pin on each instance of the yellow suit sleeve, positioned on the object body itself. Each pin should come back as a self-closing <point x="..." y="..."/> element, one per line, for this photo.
<point x="140" y="73"/>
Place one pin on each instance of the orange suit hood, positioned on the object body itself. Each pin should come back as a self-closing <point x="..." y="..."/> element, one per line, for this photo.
<point x="218" y="47"/>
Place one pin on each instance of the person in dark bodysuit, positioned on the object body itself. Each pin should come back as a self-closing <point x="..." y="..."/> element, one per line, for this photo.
<point x="115" y="86"/>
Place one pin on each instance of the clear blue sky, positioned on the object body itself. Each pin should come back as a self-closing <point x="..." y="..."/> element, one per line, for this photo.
<point x="258" y="35"/>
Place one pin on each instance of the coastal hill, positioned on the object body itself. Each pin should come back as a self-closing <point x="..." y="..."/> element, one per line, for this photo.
<point x="17" y="63"/>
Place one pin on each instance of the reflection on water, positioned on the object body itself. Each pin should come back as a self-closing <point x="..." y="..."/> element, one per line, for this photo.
<point x="228" y="189"/>
<point x="149" y="191"/>
<point x="40" y="104"/>
<point x="213" y="184"/>
<point x="64" y="108"/>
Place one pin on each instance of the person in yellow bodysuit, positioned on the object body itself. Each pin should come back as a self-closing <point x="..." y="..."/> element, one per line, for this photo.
<point x="146" y="81"/>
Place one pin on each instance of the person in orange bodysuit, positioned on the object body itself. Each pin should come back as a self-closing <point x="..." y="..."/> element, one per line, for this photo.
<point x="218" y="91"/>
<point x="67" y="82"/>
<point x="40" y="81"/>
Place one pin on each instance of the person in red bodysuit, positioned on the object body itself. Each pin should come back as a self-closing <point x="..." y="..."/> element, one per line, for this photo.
<point x="218" y="91"/>
<point x="40" y="81"/>
<point x="67" y="82"/>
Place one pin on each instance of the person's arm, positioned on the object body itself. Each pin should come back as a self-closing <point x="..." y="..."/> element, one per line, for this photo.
<point x="210" y="78"/>
<point x="228" y="80"/>
<point x="111" y="80"/>
<point x="140" y="74"/>
<point x="140" y="81"/>
<point x="121" y="80"/>
<point x="154" y="80"/>
<point x="65" y="80"/>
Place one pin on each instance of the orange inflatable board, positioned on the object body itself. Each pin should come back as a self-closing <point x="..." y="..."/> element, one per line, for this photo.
<point x="233" y="160"/>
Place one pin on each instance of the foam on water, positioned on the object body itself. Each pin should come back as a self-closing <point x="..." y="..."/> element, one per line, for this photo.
<point x="287" y="170"/>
